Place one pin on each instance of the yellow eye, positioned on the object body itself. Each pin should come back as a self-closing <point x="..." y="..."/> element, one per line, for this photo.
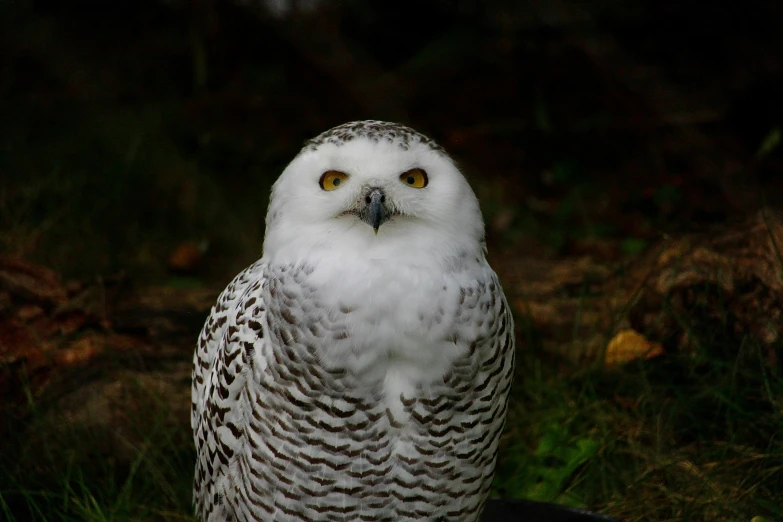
<point x="415" y="178"/>
<point x="332" y="179"/>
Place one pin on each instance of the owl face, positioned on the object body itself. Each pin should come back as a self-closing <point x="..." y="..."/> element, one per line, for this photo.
<point x="372" y="206"/>
<point x="376" y="187"/>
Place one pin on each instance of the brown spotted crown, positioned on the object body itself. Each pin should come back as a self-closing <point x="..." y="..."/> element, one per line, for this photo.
<point x="375" y="131"/>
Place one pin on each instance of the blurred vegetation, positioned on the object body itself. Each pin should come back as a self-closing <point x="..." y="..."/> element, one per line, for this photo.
<point x="128" y="129"/>
<point x="131" y="127"/>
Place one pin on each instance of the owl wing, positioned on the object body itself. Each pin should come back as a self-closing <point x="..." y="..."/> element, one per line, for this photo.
<point x="484" y="303"/>
<point x="222" y="363"/>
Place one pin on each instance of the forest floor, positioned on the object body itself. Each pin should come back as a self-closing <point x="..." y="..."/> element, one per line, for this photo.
<point x="638" y="242"/>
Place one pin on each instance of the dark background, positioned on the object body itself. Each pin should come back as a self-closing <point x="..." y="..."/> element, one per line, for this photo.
<point x="128" y="129"/>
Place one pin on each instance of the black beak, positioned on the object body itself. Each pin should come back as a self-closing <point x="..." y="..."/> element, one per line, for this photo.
<point x="375" y="212"/>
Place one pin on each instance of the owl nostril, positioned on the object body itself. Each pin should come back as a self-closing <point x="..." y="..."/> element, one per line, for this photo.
<point x="367" y="199"/>
<point x="383" y="199"/>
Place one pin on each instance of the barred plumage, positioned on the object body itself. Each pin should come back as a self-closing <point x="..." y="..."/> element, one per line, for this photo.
<point x="349" y="375"/>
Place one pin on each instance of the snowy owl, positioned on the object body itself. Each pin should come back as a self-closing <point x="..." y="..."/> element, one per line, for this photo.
<point x="360" y="370"/>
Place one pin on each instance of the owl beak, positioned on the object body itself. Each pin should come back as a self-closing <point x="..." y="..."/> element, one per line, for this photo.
<point x="375" y="212"/>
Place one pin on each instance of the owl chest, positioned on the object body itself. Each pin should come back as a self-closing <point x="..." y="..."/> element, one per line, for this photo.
<point x="395" y="415"/>
<point x="354" y="315"/>
<point x="384" y="337"/>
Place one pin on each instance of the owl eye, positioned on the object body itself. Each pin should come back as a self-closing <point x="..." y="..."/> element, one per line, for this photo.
<point x="415" y="178"/>
<point x="332" y="180"/>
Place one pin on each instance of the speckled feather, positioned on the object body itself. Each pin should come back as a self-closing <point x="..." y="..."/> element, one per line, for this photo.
<point x="374" y="131"/>
<point x="348" y="376"/>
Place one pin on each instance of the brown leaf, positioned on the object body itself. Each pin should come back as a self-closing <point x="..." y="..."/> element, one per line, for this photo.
<point x="15" y="341"/>
<point x="27" y="313"/>
<point x="80" y="352"/>
<point x="630" y="345"/>
<point x="19" y="342"/>
<point x="539" y="313"/>
<point x="30" y="282"/>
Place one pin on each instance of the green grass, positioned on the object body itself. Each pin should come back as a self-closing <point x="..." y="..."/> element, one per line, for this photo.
<point x="687" y="437"/>
<point x="139" y="467"/>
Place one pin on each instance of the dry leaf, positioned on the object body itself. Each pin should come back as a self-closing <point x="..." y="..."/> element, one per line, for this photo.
<point x="539" y="313"/>
<point x="79" y="352"/>
<point x="30" y="282"/>
<point x="630" y="345"/>
<point x="16" y="340"/>
<point x="29" y="312"/>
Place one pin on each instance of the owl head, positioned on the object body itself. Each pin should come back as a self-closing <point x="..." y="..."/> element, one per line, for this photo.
<point x="372" y="188"/>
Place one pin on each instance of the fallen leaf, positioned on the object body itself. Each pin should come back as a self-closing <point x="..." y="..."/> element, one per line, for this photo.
<point x="630" y="345"/>
<point x="16" y="340"/>
<point x="539" y="313"/>
<point x="29" y="312"/>
<point x="30" y="282"/>
<point x="79" y="352"/>
<point x="18" y="343"/>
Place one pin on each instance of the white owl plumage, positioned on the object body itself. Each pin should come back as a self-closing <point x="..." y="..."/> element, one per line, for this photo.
<point x="360" y="369"/>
